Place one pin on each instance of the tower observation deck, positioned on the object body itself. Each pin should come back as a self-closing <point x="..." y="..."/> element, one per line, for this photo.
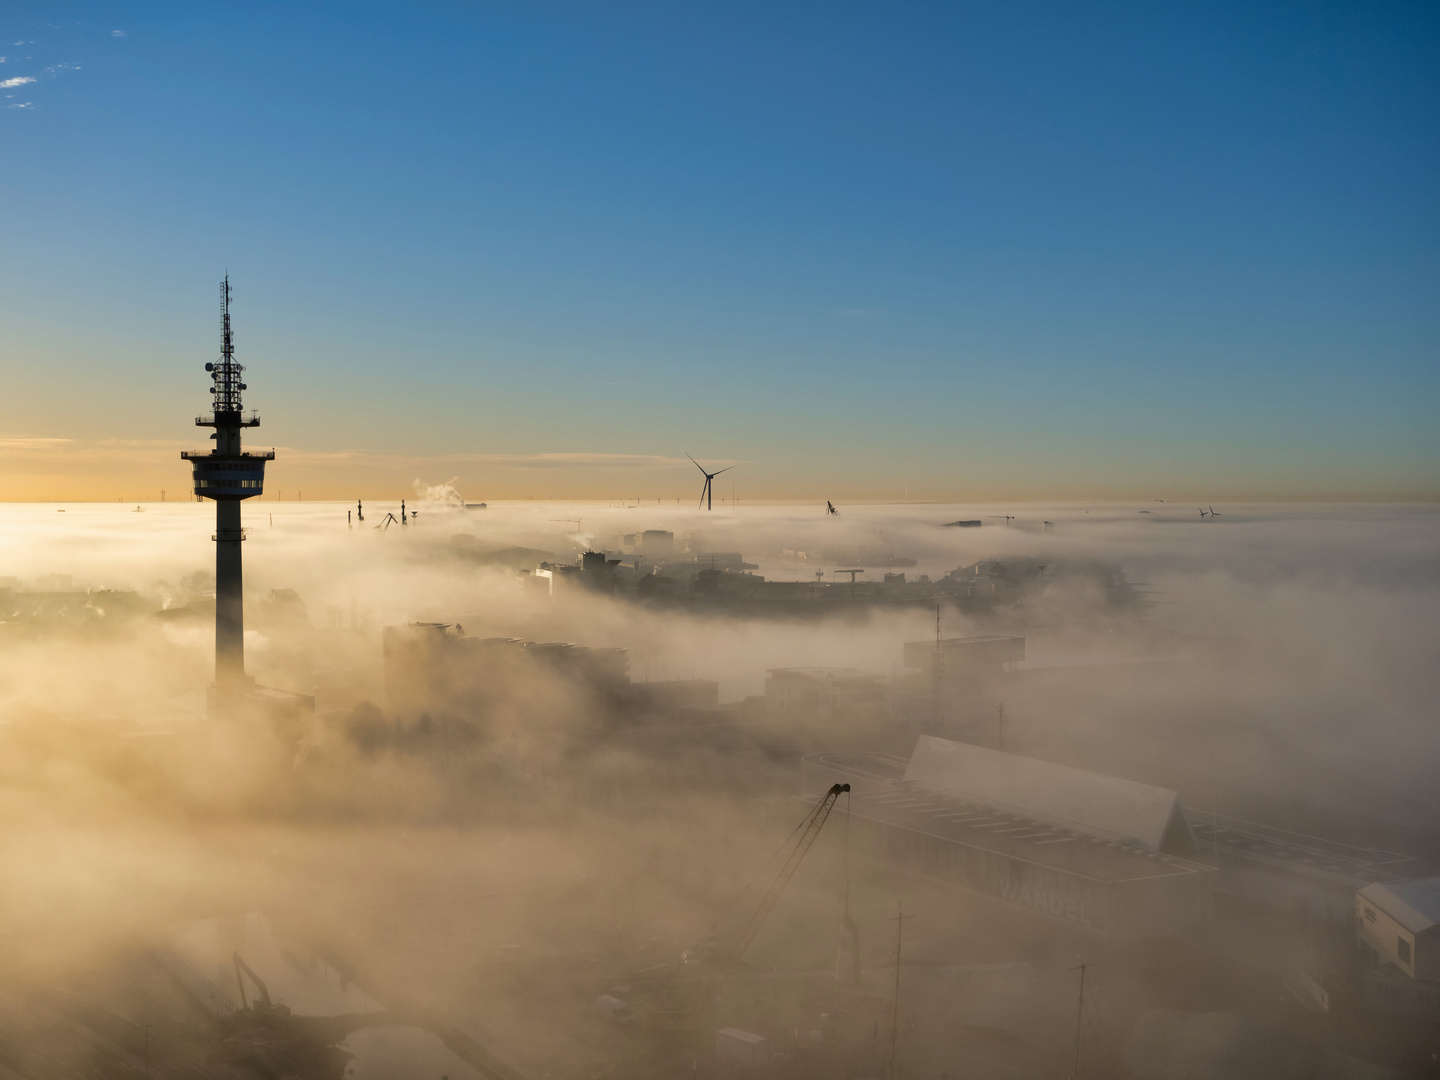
<point x="228" y="475"/>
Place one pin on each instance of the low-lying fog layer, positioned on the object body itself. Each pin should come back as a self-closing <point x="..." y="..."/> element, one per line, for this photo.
<point x="1285" y="651"/>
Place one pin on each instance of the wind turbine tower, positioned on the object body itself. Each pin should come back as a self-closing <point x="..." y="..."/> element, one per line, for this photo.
<point x="228" y="475"/>
<point x="706" y="491"/>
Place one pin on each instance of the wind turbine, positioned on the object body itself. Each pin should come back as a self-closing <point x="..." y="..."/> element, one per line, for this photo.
<point x="705" y="492"/>
<point x="1215" y="513"/>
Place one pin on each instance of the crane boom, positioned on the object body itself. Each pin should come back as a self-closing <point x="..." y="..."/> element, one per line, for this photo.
<point x="737" y="948"/>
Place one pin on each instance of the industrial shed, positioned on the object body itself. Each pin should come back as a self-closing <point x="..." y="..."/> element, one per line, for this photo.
<point x="1106" y="807"/>
<point x="1009" y="840"/>
<point x="1400" y="920"/>
<point x="1292" y="872"/>
<point x="965" y="657"/>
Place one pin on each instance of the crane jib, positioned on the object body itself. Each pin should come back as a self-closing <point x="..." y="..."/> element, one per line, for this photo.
<point x="733" y="955"/>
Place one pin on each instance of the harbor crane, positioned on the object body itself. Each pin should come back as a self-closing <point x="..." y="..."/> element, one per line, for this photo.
<point x="809" y="831"/>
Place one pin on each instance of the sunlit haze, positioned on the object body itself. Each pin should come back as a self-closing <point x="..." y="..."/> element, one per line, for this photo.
<point x="960" y="252"/>
<point x="564" y="541"/>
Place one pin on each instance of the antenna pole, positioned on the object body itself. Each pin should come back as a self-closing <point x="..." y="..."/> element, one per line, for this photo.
<point x="892" y="1071"/>
<point x="847" y="922"/>
<point x="1214" y="845"/>
<point x="1079" y="1017"/>
<point x="935" y="665"/>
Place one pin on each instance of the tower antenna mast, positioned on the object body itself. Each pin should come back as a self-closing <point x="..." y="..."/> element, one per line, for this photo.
<point x="228" y="475"/>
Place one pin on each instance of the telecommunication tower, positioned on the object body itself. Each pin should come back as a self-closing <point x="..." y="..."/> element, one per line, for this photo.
<point x="228" y="475"/>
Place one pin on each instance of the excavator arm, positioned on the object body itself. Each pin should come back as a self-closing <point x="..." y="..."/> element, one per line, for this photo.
<point x="242" y="966"/>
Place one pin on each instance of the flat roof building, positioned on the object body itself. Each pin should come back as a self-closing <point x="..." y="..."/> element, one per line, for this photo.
<point x="965" y="656"/>
<point x="823" y="693"/>
<point x="657" y="543"/>
<point x="431" y="666"/>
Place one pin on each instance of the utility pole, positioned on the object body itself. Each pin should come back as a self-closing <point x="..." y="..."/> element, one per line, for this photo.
<point x="935" y="669"/>
<point x="1214" y="845"/>
<point x="847" y="923"/>
<point x="892" y="1071"/>
<point x="1079" y="1018"/>
<point x="146" y="1028"/>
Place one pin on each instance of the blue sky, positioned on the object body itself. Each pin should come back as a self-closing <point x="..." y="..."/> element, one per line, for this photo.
<point x="955" y="251"/>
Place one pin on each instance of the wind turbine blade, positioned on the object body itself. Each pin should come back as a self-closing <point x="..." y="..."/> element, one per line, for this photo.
<point x="698" y="465"/>
<point x="726" y="469"/>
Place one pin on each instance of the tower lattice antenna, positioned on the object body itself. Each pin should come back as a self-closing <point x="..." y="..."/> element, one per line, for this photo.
<point x="226" y="374"/>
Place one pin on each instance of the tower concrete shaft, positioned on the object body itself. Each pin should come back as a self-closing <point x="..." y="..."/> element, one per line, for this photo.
<point x="229" y="595"/>
<point x="229" y="475"/>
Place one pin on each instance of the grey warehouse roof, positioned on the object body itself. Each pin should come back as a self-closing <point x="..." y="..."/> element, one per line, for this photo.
<point x="1414" y="904"/>
<point x="947" y="816"/>
<point x="1106" y="807"/>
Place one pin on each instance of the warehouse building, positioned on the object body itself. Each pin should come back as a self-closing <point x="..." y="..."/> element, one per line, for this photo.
<point x="964" y="658"/>
<point x="1099" y="853"/>
<point x="1397" y="926"/>
<point x="1292" y="872"/>
<point x="826" y="694"/>
<point x="1400" y="921"/>
<point x="438" y="668"/>
<point x="434" y="666"/>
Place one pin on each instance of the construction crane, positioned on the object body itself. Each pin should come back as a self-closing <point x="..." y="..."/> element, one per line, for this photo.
<point x="730" y="959"/>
